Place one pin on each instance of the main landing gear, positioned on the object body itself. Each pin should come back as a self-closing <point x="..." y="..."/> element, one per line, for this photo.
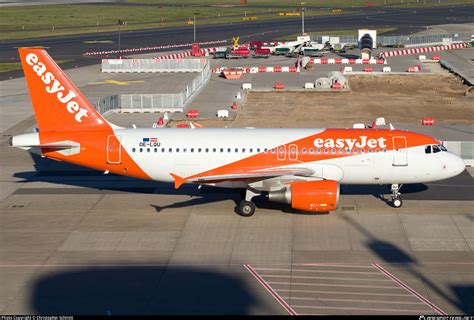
<point x="246" y="207"/>
<point x="396" y="195"/>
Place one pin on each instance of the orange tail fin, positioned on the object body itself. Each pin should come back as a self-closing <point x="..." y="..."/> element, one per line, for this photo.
<point x="57" y="103"/>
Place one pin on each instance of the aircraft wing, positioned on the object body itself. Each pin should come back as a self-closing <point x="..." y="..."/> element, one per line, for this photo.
<point x="250" y="176"/>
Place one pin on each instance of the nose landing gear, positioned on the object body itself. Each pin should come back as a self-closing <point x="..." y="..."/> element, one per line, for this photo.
<point x="396" y="195"/>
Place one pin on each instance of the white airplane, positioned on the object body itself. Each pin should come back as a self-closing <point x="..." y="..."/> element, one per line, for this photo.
<point x="301" y="167"/>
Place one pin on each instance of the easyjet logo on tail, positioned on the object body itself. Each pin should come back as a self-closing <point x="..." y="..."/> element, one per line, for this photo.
<point x="54" y="86"/>
<point x="360" y="142"/>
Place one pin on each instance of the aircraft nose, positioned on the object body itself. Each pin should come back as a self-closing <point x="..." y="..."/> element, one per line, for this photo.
<point x="456" y="165"/>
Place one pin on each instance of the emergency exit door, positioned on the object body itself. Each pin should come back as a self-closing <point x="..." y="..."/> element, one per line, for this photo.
<point x="114" y="148"/>
<point x="400" y="156"/>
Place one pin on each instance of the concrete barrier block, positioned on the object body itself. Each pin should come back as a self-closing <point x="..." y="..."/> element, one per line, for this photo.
<point x="309" y="85"/>
<point x="387" y="69"/>
<point x="222" y="113"/>
<point x="285" y="69"/>
<point x="246" y="86"/>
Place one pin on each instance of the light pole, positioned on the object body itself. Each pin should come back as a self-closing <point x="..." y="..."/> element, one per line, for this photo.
<point x="194" y="25"/>
<point x="302" y="19"/>
<point x="120" y="22"/>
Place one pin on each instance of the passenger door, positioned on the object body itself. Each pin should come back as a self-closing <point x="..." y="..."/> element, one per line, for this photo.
<point x="400" y="156"/>
<point x="114" y="148"/>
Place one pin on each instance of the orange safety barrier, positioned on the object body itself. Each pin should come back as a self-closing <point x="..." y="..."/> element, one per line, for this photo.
<point x="276" y="69"/>
<point x="262" y="69"/>
<point x="182" y="125"/>
<point x="279" y="85"/>
<point x="436" y="57"/>
<point x="234" y="105"/>
<point x="365" y="61"/>
<point x="336" y="85"/>
<point x="292" y="69"/>
<point x="352" y="61"/>
<point x="427" y="121"/>
<point x="232" y="74"/>
<point x="337" y="61"/>
<point x="368" y="69"/>
<point x="324" y="61"/>
<point x="379" y="61"/>
<point x="412" y="69"/>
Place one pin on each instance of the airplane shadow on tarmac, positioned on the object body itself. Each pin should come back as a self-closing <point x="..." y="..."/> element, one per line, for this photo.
<point x="141" y="290"/>
<point x="462" y="295"/>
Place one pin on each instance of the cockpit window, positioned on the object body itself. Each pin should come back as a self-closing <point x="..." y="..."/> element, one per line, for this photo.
<point x="442" y="148"/>
<point x="436" y="149"/>
<point x="428" y="149"/>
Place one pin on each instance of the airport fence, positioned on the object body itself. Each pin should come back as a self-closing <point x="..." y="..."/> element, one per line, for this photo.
<point x="160" y="102"/>
<point x="152" y="65"/>
<point x="402" y="41"/>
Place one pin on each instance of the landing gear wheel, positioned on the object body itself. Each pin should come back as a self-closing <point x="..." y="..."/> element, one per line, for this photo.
<point x="397" y="202"/>
<point x="246" y="208"/>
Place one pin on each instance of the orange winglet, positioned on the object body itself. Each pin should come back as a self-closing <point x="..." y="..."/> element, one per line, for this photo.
<point x="178" y="181"/>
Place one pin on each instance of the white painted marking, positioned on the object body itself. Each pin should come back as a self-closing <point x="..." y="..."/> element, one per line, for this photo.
<point x="333" y="265"/>
<point x="354" y="300"/>
<point x="328" y="278"/>
<point x="282" y="302"/>
<point x="317" y="271"/>
<point x="363" y="309"/>
<point x="334" y="285"/>
<point x="407" y="288"/>
<point x="349" y="292"/>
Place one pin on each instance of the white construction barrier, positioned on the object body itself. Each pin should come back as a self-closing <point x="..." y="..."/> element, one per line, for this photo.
<point x="422" y="57"/>
<point x="309" y="85"/>
<point x="387" y="69"/>
<point x="238" y="96"/>
<point x="246" y="86"/>
<point x="222" y="113"/>
<point x="346" y="70"/>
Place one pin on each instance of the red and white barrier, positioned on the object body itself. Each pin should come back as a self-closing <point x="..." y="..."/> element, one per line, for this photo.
<point x="136" y="50"/>
<point x="422" y="50"/>
<point x="261" y="69"/>
<point x="185" y="54"/>
<point x="346" y="61"/>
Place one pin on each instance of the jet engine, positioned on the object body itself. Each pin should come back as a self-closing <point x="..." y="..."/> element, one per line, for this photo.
<point x="316" y="196"/>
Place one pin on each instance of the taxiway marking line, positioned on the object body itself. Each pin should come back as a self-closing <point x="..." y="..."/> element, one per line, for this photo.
<point x="316" y="271"/>
<point x="335" y="285"/>
<point x="349" y="292"/>
<point x="356" y="308"/>
<point x="355" y="300"/>
<point x="328" y="278"/>
<point x="282" y="302"/>
<point x="407" y="288"/>
<point x="333" y="265"/>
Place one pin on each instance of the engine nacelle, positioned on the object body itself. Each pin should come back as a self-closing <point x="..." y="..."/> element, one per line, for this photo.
<point x="316" y="196"/>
